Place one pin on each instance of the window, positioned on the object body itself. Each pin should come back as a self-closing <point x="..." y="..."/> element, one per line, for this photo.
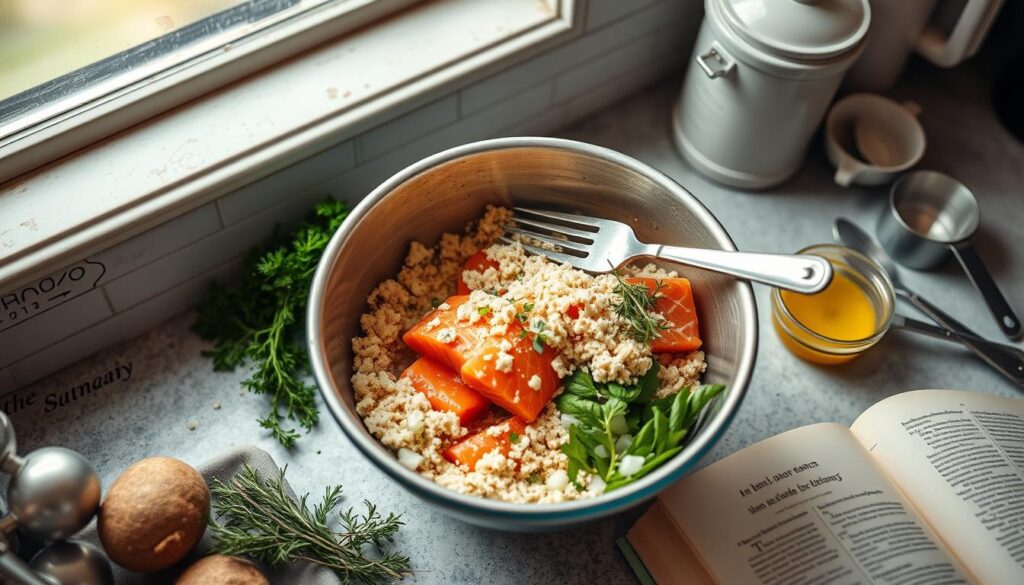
<point x="99" y="65"/>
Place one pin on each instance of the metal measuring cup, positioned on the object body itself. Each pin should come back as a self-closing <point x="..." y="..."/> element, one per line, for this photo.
<point x="930" y="215"/>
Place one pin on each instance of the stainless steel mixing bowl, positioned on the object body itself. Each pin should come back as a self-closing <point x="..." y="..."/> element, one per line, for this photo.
<point x="445" y="191"/>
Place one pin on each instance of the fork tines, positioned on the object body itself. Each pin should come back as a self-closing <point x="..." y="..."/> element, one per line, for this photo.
<point x="561" y="235"/>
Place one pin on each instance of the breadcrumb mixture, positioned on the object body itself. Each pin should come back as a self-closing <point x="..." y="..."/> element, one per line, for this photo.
<point x="535" y="469"/>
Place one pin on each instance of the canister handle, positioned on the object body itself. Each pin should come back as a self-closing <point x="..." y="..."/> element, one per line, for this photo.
<point x="963" y="41"/>
<point x="715" y="62"/>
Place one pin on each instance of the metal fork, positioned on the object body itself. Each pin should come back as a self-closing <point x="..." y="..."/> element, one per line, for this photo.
<point x="602" y="245"/>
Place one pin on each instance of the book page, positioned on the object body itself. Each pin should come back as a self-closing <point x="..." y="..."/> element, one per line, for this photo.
<point x="959" y="457"/>
<point x="810" y="507"/>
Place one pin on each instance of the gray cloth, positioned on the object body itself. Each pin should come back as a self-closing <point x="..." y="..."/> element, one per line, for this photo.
<point x="223" y="468"/>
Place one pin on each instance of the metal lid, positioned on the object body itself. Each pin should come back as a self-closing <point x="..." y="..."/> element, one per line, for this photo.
<point x="799" y="29"/>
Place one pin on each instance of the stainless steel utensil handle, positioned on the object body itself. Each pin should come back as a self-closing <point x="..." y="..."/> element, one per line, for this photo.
<point x="1006" y="359"/>
<point x="986" y="285"/>
<point x="802" y="273"/>
<point x="14" y="568"/>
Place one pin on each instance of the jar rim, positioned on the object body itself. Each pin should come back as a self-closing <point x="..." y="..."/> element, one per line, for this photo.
<point x="889" y="302"/>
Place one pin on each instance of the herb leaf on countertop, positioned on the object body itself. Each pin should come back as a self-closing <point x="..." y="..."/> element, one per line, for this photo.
<point x="260" y="321"/>
<point x="254" y="516"/>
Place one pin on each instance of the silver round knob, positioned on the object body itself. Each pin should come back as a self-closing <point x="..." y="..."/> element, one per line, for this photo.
<point x="8" y="444"/>
<point x="54" y="494"/>
<point x="73" y="563"/>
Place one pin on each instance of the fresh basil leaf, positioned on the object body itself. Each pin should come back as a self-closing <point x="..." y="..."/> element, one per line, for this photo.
<point x="586" y="411"/>
<point x="633" y="421"/>
<point x="660" y="431"/>
<point x="573" y="450"/>
<point x="574" y="469"/>
<point x="648" y="384"/>
<point x="697" y="400"/>
<point x="581" y="384"/>
<point x="591" y="438"/>
<point x="624" y="393"/>
<point x="677" y="412"/>
<point x="643" y="442"/>
<point x="602" y="466"/>
<point x="675" y="438"/>
<point x="613" y="407"/>
<point x="663" y="404"/>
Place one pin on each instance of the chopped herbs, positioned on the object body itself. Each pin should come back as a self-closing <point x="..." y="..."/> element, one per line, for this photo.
<point x="540" y="339"/>
<point x="483" y="311"/>
<point x="261" y="321"/>
<point x="606" y="413"/>
<point x="637" y="308"/>
<point x="513" y="438"/>
<point x="524" y="315"/>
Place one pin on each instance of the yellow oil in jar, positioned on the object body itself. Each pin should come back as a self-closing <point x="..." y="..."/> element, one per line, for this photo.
<point x="842" y="312"/>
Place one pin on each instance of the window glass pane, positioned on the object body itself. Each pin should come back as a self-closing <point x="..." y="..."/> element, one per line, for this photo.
<point x="45" y="39"/>
<point x="58" y="54"/>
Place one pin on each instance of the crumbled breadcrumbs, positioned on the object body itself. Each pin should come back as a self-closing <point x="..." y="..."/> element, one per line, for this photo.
<point x="533" y="290"/>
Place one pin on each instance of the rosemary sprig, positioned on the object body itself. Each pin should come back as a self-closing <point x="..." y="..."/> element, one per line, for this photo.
<point x="637" y="309"/>
<point x="260" y="320"/>
<point x="256" y="518"/>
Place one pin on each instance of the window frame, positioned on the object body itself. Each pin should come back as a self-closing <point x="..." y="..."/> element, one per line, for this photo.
<point x="130" y="182"/>
<point x="44" y="135"/>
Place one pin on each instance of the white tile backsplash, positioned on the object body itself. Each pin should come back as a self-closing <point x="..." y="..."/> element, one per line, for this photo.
<point x="199" y="257"/>
<point x="165" y="270"/>
<point x="158" y="242"/>
<point x="55" y="324"/>
<point x="601" y="12"/>
<point x="609" y="92"/>
<point x="408" y="127"/>
<point x="497" y="87"/>
<point x="620" y="62"/>
<point x="252" y="198"/>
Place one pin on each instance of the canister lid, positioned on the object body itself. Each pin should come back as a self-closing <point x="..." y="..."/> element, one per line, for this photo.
<point x="799" y="29"/>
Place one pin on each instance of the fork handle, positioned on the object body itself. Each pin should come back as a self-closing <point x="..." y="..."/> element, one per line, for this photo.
<point x="802" y="273"/>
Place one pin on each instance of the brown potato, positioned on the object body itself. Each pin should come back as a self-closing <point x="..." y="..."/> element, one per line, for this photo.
<point x="222" y="570"/>
<point x="154" y="514"/>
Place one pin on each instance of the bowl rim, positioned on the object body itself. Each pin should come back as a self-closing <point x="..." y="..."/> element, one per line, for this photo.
<point x="584" y="508"/>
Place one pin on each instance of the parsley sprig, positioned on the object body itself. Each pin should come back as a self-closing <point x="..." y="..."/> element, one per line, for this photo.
<point x="260" y="321"/>
<point x="257" y="518"/>
<point x="636" y="307"/>
<point x="609" y="413"/>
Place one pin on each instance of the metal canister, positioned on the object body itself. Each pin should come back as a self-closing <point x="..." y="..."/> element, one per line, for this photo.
<point x="762" y="76"/>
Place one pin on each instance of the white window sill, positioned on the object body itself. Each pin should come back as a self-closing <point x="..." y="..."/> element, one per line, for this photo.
<point x="178" y="161"/>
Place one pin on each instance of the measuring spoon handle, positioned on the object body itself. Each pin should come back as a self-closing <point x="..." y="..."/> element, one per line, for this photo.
<point x="986" y="285"/>
<point x="1005" y="359"/>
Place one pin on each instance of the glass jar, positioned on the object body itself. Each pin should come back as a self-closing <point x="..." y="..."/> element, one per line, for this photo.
<point x="845" y="319"/>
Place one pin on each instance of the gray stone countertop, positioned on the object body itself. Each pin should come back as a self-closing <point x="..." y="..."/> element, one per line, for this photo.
<point x="171" y="385"/>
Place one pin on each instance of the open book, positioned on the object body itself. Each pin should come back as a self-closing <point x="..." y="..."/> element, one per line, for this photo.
<point x="926" y="487"/>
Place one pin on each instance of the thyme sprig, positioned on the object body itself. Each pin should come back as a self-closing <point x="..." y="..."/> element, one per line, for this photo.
<point x="255" y="517"/>
<point x="636" y="307"/>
